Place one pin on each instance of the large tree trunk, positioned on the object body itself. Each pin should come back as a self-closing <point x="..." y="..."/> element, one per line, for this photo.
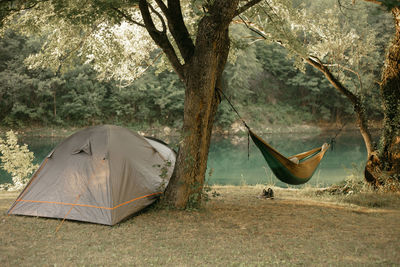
<point x="201" y="73"/>
<point x="390" y="90"/>
<point x="386" y="164"/>
<point x="202" y="76"/>
<point x="201" y="103"/>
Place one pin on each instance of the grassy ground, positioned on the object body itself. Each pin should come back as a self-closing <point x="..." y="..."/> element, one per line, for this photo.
<point x="235" y="228"/>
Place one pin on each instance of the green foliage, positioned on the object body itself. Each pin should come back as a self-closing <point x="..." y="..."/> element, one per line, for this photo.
<point x="84" y="32"/>
<point x="198" y="196"/>
<point x="347" y="41"/>
<point x="163" y="174"/>
<point x="260" y="78"/>
<point x="389" y="4"/>
<point x="18" y="86"/>
<point x="81" y="96"/>
<point x="261" y="82"/>
<point x="160" y="98"/>
<point x="314" y="99"/>
<point x="77" y="97"/>
<point x="266" y="88"/>
<point x="225" y="116"/>
<point x="17" y="160"/>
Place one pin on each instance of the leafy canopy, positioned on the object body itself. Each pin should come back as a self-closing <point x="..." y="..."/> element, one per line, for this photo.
<point x="349" y="40"/>
<point x="108" y="34"/>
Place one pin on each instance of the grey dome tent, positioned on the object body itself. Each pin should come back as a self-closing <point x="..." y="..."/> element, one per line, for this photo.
<point x="101" y="174"/>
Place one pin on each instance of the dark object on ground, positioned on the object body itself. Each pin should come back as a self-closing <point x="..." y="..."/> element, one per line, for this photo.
<point x="269" y="193"/>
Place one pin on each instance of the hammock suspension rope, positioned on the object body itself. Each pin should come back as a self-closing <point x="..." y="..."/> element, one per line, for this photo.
<point x="297" y="169"/>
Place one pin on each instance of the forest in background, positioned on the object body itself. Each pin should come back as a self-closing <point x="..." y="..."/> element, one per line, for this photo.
<point x="260" y="80"/>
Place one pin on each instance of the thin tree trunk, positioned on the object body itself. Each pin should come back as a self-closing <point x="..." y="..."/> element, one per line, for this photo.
<point x="54" y="104"/>
<point x="358" y="108"/>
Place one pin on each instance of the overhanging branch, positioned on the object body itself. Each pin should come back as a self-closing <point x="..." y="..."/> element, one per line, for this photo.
<point x="9" y="7"/>
<point x="349" y="70"/>
<point x="246" y="7"/>
<point x="177" y="27"/>
<point x="354" y="99"/>
<point x="160" y="37"/>
<point x="160" y="17"/>
<point x="162" y="6"/>
<point x="127" y="17"/>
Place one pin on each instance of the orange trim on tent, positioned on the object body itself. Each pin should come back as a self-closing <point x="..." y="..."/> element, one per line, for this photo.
<point x="89" y="206"/>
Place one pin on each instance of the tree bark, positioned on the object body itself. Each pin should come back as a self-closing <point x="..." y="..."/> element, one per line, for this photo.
<point x="384" y="167"/>
<point x="390" y="91"/>
<point x="202" y="75"/>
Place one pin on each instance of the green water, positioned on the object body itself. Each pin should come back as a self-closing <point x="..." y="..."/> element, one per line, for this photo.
<point x="229" y="164"/>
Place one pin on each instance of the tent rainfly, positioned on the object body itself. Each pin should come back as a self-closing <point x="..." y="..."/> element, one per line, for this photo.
<point x="101" y="174"/>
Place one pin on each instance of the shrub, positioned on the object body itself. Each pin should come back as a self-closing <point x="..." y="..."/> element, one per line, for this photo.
<point x="17" y="160"/>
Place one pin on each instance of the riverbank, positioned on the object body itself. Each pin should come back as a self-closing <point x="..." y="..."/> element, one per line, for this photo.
<point x="234" y="227"/>
<point x="162" y="131"/>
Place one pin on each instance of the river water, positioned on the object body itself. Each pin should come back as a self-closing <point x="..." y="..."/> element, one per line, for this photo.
<point x="229" y="162"/>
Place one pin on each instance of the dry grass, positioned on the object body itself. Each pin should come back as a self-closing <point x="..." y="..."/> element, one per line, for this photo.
<point x="235" y="228"/>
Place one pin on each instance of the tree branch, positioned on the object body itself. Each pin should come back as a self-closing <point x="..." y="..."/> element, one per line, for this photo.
<point x="348" y="69"/>
<point x="179" y="30"/>
<point x="246" y="7"/>
<point x="358" y="108"/>
<point x="163" y="7"/>
<point x="9" y="7"/>
<point x="253" y="29"/>
<point x="316" y="63"/>
<point x="160" y="38"/>
<point x="25" y="5"/>
<point x="127" y="17"/>
<point x="177" y="27"/>
<point x="164" y="30"/>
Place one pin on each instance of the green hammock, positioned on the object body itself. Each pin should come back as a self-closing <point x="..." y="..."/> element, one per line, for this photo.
<point x="295" y="170"/>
